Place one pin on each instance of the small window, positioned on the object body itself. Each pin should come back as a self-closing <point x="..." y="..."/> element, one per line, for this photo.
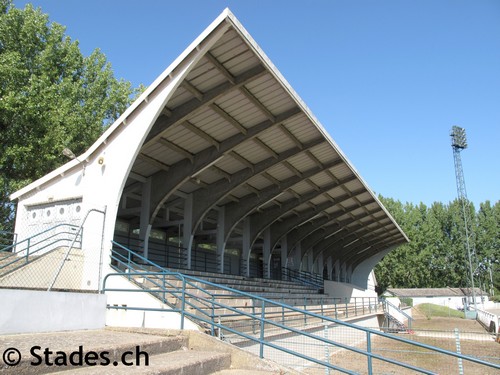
<point x="48" y="213"/>
<point x="33" y="215"/>
<point x="61" y="211"/>
<point x="78" y="208"/>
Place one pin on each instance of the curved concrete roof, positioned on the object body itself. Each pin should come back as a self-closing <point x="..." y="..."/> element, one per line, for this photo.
<point x="235" y="136"/>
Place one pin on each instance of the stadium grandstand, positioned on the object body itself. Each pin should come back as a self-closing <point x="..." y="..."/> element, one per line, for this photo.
<point x="220" y="196"/>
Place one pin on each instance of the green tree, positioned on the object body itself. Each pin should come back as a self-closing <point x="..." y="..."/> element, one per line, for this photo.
<point x="488" y="244"/>
<point x="437" y="255"/>
<point x="51" y="97"/>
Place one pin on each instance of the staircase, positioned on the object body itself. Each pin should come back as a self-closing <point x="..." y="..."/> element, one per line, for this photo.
<point x="234" y="301"/>
<point x="392" y="319"/>
<point x="393" y="325"/>
<point x="148" y="352"/>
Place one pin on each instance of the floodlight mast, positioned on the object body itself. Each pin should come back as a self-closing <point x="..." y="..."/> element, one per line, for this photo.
<point x="459" y="143"/>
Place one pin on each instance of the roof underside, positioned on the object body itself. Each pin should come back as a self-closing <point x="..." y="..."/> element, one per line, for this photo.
<point x="234" y="135"/>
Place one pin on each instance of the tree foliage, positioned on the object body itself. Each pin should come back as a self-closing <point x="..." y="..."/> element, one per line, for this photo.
<point x="436" y="256"/>
<point x="51" y="97"/>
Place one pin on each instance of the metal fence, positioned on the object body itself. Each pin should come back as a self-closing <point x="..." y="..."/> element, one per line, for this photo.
<point x="304" y="340"/>
<point x="56" y="258"/>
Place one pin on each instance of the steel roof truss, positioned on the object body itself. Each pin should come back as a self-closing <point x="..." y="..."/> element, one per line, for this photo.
<point x="188" y="109"/>
<point x="200" y="133"/>
<point x="177" y="149"/>
<point x="180" y="172"/>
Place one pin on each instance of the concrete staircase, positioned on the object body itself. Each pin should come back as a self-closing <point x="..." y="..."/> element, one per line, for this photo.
<point x="167" y="352"/>
<point x="200" y="295"/>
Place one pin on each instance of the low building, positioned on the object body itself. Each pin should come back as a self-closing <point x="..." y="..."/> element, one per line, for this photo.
<point x="454" y="298"/>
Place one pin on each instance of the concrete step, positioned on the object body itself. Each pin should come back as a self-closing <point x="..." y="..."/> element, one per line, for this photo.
<point x="193" y="362"/>
<point x="159" y="351"/>
<point x="243" y="372"/>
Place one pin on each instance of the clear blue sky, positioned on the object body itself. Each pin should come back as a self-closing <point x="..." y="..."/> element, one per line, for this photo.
<point x="387" y="78"/>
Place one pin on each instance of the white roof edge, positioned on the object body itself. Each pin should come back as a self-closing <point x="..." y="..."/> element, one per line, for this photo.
<point x="157" y="82"/>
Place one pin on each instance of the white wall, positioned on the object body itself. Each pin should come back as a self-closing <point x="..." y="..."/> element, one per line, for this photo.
<point x="29" y="311"/>
<point x="345" y="290"/>
<point x="139" y="318"/>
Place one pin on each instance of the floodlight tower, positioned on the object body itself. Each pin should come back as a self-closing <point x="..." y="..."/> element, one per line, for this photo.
<point x="459" y="143"/>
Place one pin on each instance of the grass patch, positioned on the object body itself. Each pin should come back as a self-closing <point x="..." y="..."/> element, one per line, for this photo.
<point x="430" y="310"/>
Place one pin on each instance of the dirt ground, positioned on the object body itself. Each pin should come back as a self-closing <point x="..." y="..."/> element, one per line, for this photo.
<point x="435" y="332"/>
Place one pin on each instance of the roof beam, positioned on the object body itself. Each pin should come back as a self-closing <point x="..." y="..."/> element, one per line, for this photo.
<point x="257" y="103"/>
<point x="219" y="171"/>
<point x="177" y="149"/>
<point x="251" y="189"/>
<point x="266" y="148"/>
<point x="292" y="169"/>
<point x="193" y="90"/>
<point x="228" y="118"/>
<point x="181" y="171"/>
<point x="200" y="133"/>
<point x="221" y="68"/>
<point x="274" y="181"/>
<point x="188" y="109"/>
<point x="291" y="136"/>
<point x="154" y="162"/>
<point x="314" y="159"/>
<point x="258" y="222"/>
<point x="207" y="198"/>
<point x="278" y="230"/>
<point x="242" y="160"/>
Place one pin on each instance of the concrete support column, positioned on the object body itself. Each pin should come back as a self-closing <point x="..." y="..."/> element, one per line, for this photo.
<point x="329" y="266"/>
<point x="297" y="256"/>
<point x="145" y="226"/>
<point x="343" y="273"/>
<point x="336" y="269"/>
<point x="284" y="252"/>
<point x="187" y="235"/>
<point x="220" y="240"/>
<point x="318" y="265"/>
<point x="310" y="260"/>
<point x="266" y="253"/>
<point x="245" y="252"/>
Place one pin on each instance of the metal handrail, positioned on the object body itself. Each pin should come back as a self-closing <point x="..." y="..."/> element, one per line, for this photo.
<point x="47" y="241"/>
<point x="386" y="302"/>
<point x="261" y="320"/>
<point x="304" y="277"/>
<point x="65" y="258"/>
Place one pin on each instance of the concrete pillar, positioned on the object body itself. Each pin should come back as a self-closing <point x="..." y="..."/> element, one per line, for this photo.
<point x="187" y="235"/>
<point x="245" y="250"/>
<point x="297" y="256"/>
<point x="220" y="240"/>
<point x="284" y="252"/>
<point x="310" y="260"/>
<point x="266" y="253"/>
<point x="336" y="269"/>
<point x="145" y="226"/>
<point x="329" y="266"/>
<point x="318" y="264"/>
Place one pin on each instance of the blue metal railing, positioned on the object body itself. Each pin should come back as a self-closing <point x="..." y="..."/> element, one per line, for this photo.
<point x="205" y="305"/>
<point x="22" y="252"/>
<point x="303" y="277"/>
<point x="7" y="239"/>
<point x="387" y="307"/>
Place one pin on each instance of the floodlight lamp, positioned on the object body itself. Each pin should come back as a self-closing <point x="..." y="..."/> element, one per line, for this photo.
<point x="458" y="138"/>
<point x="68" y="153"/>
